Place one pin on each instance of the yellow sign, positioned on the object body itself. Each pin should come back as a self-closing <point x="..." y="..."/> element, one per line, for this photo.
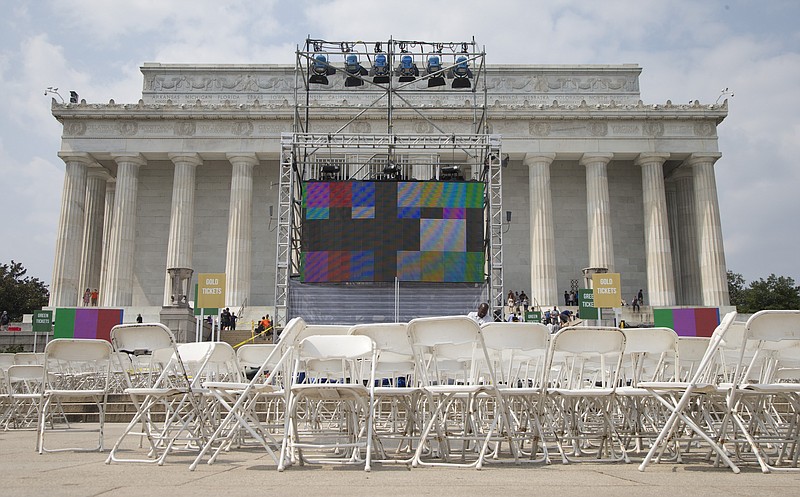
<point x="210" y="290"/>
<point x="607" y="291"/>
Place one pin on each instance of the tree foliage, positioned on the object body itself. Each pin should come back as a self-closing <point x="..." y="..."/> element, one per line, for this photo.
<point x="20" y="294"/>
<point x="776" y="292"/>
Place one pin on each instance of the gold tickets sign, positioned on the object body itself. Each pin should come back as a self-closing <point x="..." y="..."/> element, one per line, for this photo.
<point x="210" y="290"/>
<point x="607" y="291"/>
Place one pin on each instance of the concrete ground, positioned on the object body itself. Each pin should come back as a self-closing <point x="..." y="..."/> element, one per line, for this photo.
<point x="23" y="472"/>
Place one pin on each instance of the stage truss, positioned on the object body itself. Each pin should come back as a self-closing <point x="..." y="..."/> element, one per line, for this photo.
<point x="319" y="148"/>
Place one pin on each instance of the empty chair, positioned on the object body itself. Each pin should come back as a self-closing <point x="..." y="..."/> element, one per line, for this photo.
<point x="330" y="412"/>
<point x="24" y="387"/>
<point x="238" y="400"/>
<point x="583" y="374"/>
<point x="519" y="355"/>
<point x="397" y="394"/>
<point x="74" y="369"/>
<point x="457" y="379"/>
<point x="168" y="408"/>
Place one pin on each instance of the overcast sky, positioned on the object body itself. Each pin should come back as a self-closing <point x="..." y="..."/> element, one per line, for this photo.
<point x="688" y="50"/>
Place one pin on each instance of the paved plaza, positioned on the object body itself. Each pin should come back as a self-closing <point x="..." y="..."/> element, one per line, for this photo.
<point x="23" y="472"/>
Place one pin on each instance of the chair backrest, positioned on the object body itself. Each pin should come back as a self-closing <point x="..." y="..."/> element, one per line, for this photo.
<point x="25" y="379"/>
<point x="212" y="361"/>
<point x="336" y="358"/>
<point x="449" y="349"/>
<point x="586" y="357"/>
<point x="518" y="351"/>
<point x="253" y="355"/>
<point x="396" y="366"/>
<point x="768" y="340"/>
<point x="650" y="354"/>
<point x="690" y="352"/>
<point x="78" y="364"/>
<point x="24" y="358"/>
<point x="152" y="348"/>
<point x="6" y="360"/>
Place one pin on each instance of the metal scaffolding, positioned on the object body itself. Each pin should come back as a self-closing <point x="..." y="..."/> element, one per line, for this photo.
<point x="367" y="84"/>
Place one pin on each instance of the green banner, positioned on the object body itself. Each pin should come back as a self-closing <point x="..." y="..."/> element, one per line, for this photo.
<point x="586" y="308"/>
<point x="42" y="321"/>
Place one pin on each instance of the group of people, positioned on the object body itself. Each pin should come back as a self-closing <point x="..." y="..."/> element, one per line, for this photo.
<point x="554" y="319"/>
<point x="570" y="298"/>
<point x="227" y="320"/>
<point x="637" y="301"/>
<point x="264" y="325"/>
<point x="517" y="302"/>
<point x="90" y="297"/>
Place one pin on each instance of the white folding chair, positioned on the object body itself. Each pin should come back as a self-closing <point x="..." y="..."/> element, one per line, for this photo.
<point x="74" y="370"/>
<point x="518" y="352"/>
<point x="450" y="356"/>
<point x="24" y="387"/>
<point x="764" y="400"/>
<point x="651" y="354"/>
<point x="583" y="374"/>
<point x="168" y="407"/>
<point x="330" y="411"/>
<point x="678" y="396"/>
<point x="238" y="400"/>
<point x="397" y="394"/>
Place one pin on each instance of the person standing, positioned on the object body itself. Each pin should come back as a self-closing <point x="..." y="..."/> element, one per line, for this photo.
<point x="86" y="296"/>
<point x="4" y="320"/>
<point x="139" y="318"/>
<point x="640" y="297"/>
<point x="635" y="303"/>
<point x="95" y="295"/>
<point x="566" y="297"/>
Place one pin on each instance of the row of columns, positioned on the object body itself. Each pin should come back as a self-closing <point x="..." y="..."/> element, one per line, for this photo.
<point x="95" y="241"/>
<point x="700" y="237"/>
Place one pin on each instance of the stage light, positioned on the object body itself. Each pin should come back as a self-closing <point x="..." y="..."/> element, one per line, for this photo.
<point x="434" y="65"/>
<point x="407" y="69"/>
<point x="461" y="73"/>
<point x="353" y="67"/>
<point x="320" y="70"/>
<point x="329" y="172"/>
<point x="380" y="69"/>
<point x="451" y="173"/>
<point x="73" y="97"/>
<point x="391" y="171"/>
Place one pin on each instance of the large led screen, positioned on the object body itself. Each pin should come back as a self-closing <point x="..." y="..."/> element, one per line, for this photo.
<point x="362" y="231"/>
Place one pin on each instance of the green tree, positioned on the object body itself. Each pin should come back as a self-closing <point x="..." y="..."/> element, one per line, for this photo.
<point x="737" y="290"/>
<point x="20" y="294"/>
<point x="776" y="292"/>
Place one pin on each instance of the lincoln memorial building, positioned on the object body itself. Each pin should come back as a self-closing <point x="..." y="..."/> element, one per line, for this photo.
<point x="190" y="176"/>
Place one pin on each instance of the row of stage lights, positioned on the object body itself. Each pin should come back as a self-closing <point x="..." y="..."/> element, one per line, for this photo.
<point x="435" y="71"/>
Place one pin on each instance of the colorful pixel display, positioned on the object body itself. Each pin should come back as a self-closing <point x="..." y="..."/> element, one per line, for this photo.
<point x="363" y="231"/>
<point x="86" y="323"/>
<point x="688" y="322"/>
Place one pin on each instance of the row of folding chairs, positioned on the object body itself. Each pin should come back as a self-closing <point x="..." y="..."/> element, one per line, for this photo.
<point x="740" y="405"/>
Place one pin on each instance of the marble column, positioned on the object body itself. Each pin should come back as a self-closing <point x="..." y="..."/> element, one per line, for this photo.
<point x="688" y="243"/>
<point x="658" y="251"/>
<point x="118" y="287"/>
<point x="91" y="262"/>
<point x="65" y="290"/>
<point x="181" y="226"/>
<point x="108" y="218"/>
<point x="671" y="193"/>
<point x="240" y="227"/>
<point x="598" y="210"/>
<point x="544" y="282"/>
<point x="713" y="277"/>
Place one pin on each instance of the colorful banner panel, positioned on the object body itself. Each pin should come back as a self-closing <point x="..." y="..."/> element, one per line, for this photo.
<point x="86" y="323"/>
<point x="688" y="322"/>
<point x="363" y="231"/>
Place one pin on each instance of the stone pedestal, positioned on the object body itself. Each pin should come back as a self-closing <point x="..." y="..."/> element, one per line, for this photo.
<point x="181" y="321"/>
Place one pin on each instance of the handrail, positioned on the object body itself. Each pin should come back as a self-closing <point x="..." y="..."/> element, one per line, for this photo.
<point x="253" y="336"/>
